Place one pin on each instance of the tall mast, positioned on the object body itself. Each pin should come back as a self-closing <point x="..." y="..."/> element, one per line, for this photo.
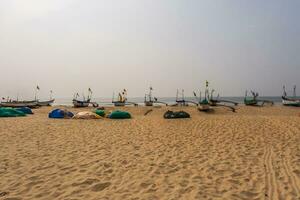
<point x="284" y="92"/>
<point x="150" y="94"/>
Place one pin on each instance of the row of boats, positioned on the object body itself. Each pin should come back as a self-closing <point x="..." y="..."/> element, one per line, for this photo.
<point x="203" y="103"/>
<point x="29" y="104"/>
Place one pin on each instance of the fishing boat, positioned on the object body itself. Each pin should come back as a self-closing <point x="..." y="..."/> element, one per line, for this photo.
<point x="150" y="101"/>
<point x="290" y="101"/>
<point x="122" y="99"/>
<point x="181" y="100"/>
<point x="253" y="101"/>
<point x="45" y="103"/>
<point x="81" y="104"/>
<point x="19" y="104"/>
<point x="221" y="102"/>
<point x="207" y="104"/>
<point x="85" y="102"/>
<point x="215" y="102"/>
<point x="204" y="105"/>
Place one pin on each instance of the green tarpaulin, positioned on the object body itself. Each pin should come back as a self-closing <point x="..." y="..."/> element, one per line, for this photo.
<point x="117" y="114"/>
<point x="11" y="112"/>
<point x="100" y="112"/>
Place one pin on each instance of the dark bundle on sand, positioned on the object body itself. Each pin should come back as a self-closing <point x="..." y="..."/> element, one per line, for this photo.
<point x="175" y="115"/>
<point x="147" y="112"/>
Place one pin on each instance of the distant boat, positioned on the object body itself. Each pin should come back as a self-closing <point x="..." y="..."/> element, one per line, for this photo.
<point x="84" y="103"/>
<point x="122" y="99"/>
<point x="81" y="104"/>
<point x="46" y="103"/>
<point x="118" y="103"/>
<point x="253" y="101"/>
<point x="290" y="101"/>
<point x="181" y="100"/>
<point x="19" y="104"/>
<point x="149" y="100"/>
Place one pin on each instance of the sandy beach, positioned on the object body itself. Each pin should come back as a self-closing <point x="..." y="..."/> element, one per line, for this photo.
<point x="251" y="154"/>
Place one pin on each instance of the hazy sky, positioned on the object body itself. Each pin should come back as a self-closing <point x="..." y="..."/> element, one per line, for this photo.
<point x="71" y="45"/>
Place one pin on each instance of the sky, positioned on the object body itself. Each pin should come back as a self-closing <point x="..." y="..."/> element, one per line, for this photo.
<point x="70" y="45"/>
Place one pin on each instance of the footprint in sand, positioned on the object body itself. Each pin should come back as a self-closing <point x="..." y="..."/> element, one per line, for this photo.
<point x="100" y="186"/>
<point x="2" y="194"/>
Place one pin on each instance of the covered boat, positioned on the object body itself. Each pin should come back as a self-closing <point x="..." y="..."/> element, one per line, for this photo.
<point x="60" y="114"/>
<point x="11" y="112"/>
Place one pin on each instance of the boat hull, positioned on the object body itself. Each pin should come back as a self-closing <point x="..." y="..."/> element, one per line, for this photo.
<point x="19" y="105"/>
<point x="46" y="103"/>
<point x="80" y="104"/>
<point x="204" y="108"/>
<point x="250" y="102"/>
<point x="118" y="104"/>
<point x="295" y="103"/>
<point x="148" y="103"/>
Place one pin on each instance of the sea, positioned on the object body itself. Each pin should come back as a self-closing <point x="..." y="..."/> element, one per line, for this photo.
<point x="168" y="100"/>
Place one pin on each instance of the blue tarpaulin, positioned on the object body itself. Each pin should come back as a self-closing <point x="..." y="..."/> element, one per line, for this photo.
<point x="25" y="110"/>
<point x="60" y="114"/>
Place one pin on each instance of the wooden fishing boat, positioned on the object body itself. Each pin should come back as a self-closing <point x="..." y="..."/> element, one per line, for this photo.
<point x="248" y="101"/>
<point x="204" y="105"/>
<point x="84" y="103"/>
<point x="181" y="100"/>
<point x="253" y="101"/>
<point x="290" y="101"/>
<point x="150" y="101"/>
<point x="81" y="104"/>
<point x="218" y="101"/>
<point x="15" y="104"/>
<point x="207" y="104"/>
<point x="45" y="103"/>
<point x="122" y="99"/>
<point x="118" y="103"/>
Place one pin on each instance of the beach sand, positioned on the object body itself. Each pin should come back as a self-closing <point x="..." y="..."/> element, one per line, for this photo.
<point x="251" y="154"/>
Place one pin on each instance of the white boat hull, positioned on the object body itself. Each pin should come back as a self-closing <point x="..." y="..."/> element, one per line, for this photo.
<point x="291" y="103"/>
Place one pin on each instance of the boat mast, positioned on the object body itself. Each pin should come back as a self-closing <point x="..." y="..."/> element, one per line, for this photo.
<point x="206" y="91"/>
<point x="36" y="92"/>
<point x="150" y="94"/>
<point x="295" y="91"/>
<point x="51" y="94"/>
<point x="284" y="92"/>
<point x="200" y="96"/>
